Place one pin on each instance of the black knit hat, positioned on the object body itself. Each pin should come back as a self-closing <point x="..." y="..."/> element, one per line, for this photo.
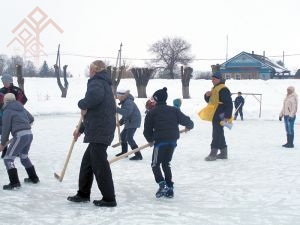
<point x="160" y="95"/>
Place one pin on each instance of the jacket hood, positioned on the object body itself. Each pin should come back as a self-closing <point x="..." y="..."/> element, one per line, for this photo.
<point x="15" y="105"/>
<point x="103" y="75"/>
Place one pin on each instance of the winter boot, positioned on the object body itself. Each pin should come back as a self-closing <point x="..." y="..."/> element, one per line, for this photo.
<point x="287" y="141"/>
<point x="3" y="152"/>
<point x="124" y="149"/>
<point x="14" y="182"/>
<point x="223" y="154"/>
<point x="162" y="190"/>
<point x="212" y="155"/>
<point x="170" y="191"/>
<point x="103" y="203"/>
<point x="79" y="197"/>
<point x="138" y="155"/>
<point x="32" y="177"/>
<point x="290" y="141"/>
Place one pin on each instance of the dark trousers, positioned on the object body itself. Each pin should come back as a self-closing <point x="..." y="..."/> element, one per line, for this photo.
<point x="239" y="111"/>
<point x="162" y="155"/>
<point x="218" y="137"/>
<point x="94" y="162"/>
<point x="127" y="136"/>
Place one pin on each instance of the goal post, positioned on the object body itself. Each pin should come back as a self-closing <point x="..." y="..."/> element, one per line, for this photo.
<point x="256" y="96"/>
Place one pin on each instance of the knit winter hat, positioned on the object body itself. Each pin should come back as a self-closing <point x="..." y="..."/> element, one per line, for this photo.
<point x="177" y="103"/>
<point x="217" y="74"/>
<point x="216" y="71"/>
<point x="9" y="97"/>
<point x="122" y="91"/>
<point x="160" y="95"/>
<point x="291" y="88"/>
<point x="7" y="78"/>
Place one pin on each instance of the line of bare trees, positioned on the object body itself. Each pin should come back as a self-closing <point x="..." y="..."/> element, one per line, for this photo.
<point x="172" y="57"/>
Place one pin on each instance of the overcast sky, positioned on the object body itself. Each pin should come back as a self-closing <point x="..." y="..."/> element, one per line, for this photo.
<point x="96" y="28"/>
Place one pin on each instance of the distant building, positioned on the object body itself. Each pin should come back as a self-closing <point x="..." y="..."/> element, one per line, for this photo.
<point x="297" y="75"/>
<point x="251" y="66"/>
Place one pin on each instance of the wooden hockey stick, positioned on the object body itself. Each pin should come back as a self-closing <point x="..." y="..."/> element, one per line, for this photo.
<point x="128" y="153"/>
<point x="135" y="150"/>
<point x="119" y="133"/>
<point x="62" y="174"/>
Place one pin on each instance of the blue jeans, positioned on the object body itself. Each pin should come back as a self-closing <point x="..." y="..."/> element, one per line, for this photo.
<point x="289" y="124"/>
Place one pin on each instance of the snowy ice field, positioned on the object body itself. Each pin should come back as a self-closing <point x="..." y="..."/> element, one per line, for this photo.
<point x="259" y="184"/>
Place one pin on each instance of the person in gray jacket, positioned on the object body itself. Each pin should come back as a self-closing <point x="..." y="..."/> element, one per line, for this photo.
<point x="17" y="121"/>
<point x="131" y="118"/>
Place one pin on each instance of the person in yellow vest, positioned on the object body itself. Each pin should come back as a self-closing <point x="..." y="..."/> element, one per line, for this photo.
<point x="219" y="111"/>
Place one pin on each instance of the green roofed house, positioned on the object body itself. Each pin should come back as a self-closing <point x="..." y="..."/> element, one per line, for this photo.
<point x="252" y="66"/>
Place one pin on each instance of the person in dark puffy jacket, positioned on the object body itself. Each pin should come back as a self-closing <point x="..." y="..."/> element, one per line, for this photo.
<point x="17" y="121"/>
<point x="161" y="130"/>
<point x="98" y="110"/>
<point x="131" y="119"/>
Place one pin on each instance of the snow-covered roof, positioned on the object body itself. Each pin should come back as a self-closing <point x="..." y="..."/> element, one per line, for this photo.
<point x="268" y="62"/>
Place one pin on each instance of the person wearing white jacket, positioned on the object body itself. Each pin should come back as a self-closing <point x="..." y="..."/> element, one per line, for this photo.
<point x="288" y="113"/>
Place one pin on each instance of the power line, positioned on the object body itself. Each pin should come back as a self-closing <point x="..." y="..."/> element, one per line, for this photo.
<point x="150" y="59"/>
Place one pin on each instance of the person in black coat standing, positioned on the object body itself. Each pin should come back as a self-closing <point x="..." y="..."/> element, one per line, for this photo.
<point x="238" y="105"/>
<point x="98" y="110"/>
<point x="161" y="130"/>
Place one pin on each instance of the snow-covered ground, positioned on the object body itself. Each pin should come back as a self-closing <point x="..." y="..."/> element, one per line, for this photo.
<point x="258" y="184"/>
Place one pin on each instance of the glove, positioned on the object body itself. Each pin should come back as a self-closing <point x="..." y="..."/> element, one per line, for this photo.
<point x="3" y="152"/>
<point x="121" y="122"/>
<point x="280" y="118"/>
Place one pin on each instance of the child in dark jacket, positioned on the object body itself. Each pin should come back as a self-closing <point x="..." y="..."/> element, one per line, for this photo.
<point x="17" y="121"/>
<point x="161" y="129"/>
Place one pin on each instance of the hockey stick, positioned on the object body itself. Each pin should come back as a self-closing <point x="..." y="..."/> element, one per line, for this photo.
<point x="128" y="153"/>
<point x="62" y="174"/>
<point x="119" y="133"/>
<point x="134" y="151"/>
<point x="237" y="108"/>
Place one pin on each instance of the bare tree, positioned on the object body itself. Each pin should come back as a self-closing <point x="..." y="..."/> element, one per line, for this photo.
<point x="186" y="74"/>
<point x="142" y="77"/>
<point x="2" y="63"/>
<point x="170" y="52"/>
<point x="20" y="77"/>
<point x="116" y="72"/>
<point x="63" y="88"/>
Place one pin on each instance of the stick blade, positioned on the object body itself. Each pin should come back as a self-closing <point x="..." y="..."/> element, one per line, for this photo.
<point x="116" y="145"/>
<point x="57" y="177"/>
